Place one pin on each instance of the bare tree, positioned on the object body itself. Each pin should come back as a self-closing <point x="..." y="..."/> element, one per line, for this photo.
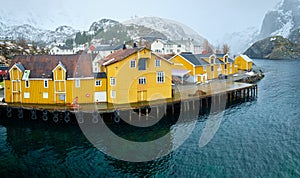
<point x="226" y="48"/>
<point x="22" y="42"/>
<point x="218" y="50"/>
<point x="207" y="48"/>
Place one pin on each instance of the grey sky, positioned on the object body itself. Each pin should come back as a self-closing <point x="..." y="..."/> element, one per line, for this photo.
<point x="210" y="18"/>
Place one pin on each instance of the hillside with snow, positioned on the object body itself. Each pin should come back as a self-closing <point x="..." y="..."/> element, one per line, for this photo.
<point x="282" y="20"/>
<point x="172" y="29"/>
<point x="239" y="41"/>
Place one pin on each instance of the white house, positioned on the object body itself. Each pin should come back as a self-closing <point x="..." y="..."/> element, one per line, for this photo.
<point x="191" y="46"/>
<point x="167" y="47"/>
<point x="61" y="50"/>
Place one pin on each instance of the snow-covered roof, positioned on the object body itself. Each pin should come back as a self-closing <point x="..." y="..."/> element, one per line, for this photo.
<point x="246" y="58"/>
<point x="180" y="73"/>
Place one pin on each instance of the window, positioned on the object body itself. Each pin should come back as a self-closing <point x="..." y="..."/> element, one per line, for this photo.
<point x="45" y="94"/>
<point x="212" y="68"/>
<point x="112" y="81"/>
<point x="132" y="64"/>
<point x="46" y="84"/>
<point x="204" y="68"/>
<point x="27" y="84"/>
<point x="212" y="61"/>
<point x="142" y="80"/>
<point x="157" y="62"/>
<point x="142" y="64"/>
<point x="77" y="83"/>
<point x="160" y="77"/>
<point x="26" y="95"/>
<point x="98" y="83"/>
<point x="113" y="94"/>
<point x="225" y="66"/>
<point x="62" y="97"/>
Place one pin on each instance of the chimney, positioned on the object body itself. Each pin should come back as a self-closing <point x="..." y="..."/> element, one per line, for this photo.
<point x="124" y="45"/>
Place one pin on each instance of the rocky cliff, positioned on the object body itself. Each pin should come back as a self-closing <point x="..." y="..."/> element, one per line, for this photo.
<point x="276" y="47"/>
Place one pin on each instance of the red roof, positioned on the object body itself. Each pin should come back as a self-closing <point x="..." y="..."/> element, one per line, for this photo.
<point x="78" y="65"/>
<point x="119" y="55"/>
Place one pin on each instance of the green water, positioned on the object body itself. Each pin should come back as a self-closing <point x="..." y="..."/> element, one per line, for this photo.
<point x="259" y="138"/>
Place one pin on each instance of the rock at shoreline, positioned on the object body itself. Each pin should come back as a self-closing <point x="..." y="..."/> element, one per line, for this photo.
<point x="276" y="47"/>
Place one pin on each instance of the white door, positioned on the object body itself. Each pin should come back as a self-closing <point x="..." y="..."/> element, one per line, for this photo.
<point x="100" y="96"/>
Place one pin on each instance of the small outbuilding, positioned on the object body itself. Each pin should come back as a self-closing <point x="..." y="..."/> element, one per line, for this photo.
<point x="243" y="62"/>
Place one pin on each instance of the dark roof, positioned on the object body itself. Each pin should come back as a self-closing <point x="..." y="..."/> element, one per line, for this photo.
<point x="222" y="55"/>
<point x="20" y="66"/>
<point x="108" y="48"/>
<point x="119" y="55"/>
<point x="195" y="59"/>
<point x="3" y="67"/>
<point x="100" y="75"/>
<point x="230" y="60"/>
<point x="218" y="61"/>
<point x="42" y="65"/>
<point x="166" y="56"/>
<point x="64" y="47"/>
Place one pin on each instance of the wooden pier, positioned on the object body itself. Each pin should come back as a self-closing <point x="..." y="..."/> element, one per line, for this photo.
<point x="191" y="99"/>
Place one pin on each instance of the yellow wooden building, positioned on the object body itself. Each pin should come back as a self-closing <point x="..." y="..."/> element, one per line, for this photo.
<point x="215" y="66"/>
<point x="194" y="64"/>
<point x="136" y="75"/>
<point x="243" y="62"/>
<point x="227" y="66"/>
<point x="46" y="79"/>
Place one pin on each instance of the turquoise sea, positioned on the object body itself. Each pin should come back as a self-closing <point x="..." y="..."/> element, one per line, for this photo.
<point x="258" y="138"/>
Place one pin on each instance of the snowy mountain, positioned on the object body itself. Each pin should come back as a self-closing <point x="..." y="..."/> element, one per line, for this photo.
<point x="119" y="33"/>
<point x="36" y="25"/>
<point x="239" y="41"/>
<point x="283" y="19"/>
<point x="38" y="35"/>
<point x="172" y="29"/>
<point x="280" y="21"/>
<point x="102" y="24"/>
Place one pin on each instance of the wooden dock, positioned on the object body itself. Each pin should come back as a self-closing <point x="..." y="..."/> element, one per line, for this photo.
<point x="203" y="99"/>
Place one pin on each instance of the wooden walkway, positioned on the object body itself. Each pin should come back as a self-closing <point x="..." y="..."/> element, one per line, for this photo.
<point x="187" y="99"/>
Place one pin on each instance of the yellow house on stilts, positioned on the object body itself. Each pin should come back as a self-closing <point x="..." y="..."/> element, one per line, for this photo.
<point x="125" y="76"/>
<point x="136" y="75"/>
<point x="46" y="79"/>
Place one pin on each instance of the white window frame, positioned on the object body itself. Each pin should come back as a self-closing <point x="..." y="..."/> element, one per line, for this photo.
<point x="113" y="94"/>
<point x="112" y="81"/>
<point x="132" y="62"/>
<point x="27" y="84"/>
<point x="46" y="83"/>
<point x="77" y="83"/>
<point x="45" y="95"/>
<point x="98" y="83"/>
<point x="157" y="63"/>
<point x="142" y="81"/>
<point x="160" y="77"/>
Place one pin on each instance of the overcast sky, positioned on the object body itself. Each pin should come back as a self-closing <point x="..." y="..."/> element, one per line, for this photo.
<point x="210" y="18"/>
